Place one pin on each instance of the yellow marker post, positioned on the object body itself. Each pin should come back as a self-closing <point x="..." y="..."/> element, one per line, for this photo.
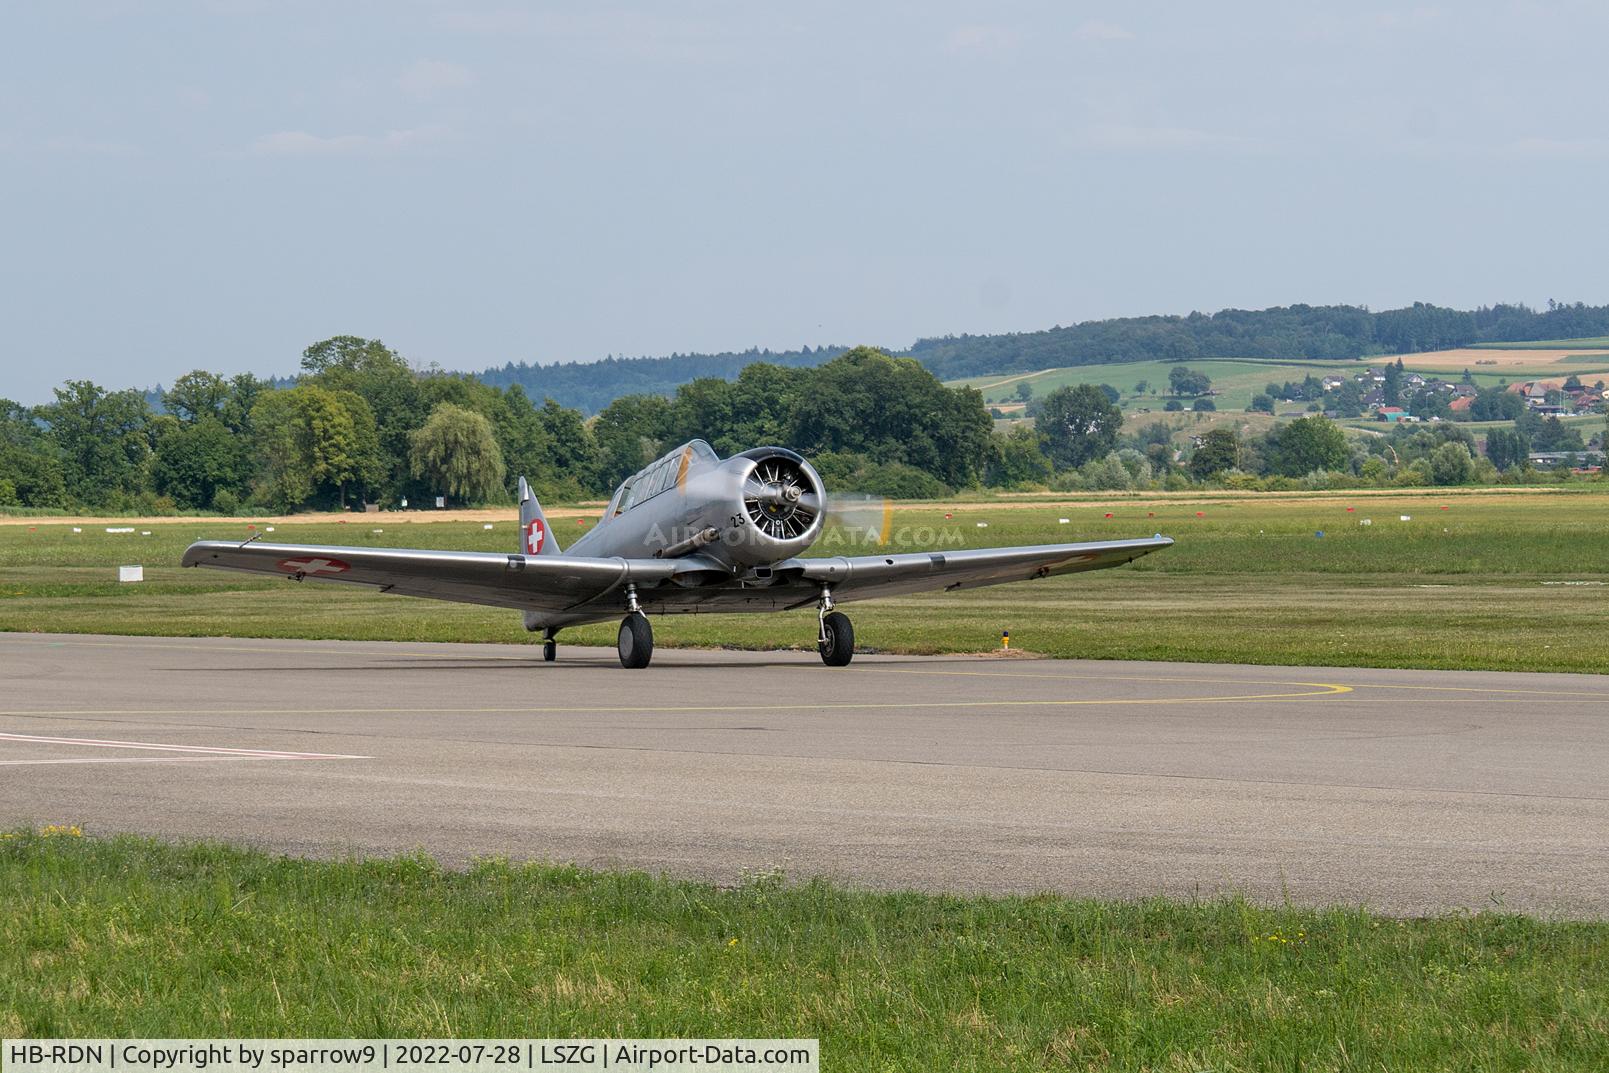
<point x="1005" y="640"/>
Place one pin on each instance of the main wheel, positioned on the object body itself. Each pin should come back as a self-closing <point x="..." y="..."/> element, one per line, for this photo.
<point x="838" y="648"/>
<point x="550" y="650"/>
<point x="636" y="643"/>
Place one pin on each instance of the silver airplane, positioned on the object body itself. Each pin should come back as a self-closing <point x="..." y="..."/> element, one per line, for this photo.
<point x="693" y="533"/>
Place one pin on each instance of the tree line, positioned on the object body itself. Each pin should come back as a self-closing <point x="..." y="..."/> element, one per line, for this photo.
<point x="1301" y="332"/>
<point x="360" y="426"/>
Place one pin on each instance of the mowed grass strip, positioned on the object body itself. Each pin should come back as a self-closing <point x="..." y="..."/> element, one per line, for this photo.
<point x="127" y="937"/>
<point x="1474" y="580"/>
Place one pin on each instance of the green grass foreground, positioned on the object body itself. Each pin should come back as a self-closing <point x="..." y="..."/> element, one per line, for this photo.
<point x="130" y="937"/>
<point x="1476" y="579"/>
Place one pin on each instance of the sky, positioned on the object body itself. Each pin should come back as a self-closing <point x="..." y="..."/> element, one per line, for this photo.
<point x="219" y="183"/>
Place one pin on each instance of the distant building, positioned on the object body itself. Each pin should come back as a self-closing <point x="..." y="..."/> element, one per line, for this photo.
<point x="1554" y="459"/>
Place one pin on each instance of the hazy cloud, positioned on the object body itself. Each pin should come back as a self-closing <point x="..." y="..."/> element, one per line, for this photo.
<point x="1096" y="30"/>
<point x="1133" y="136"/>
<point x="1560" y="148"/>
<point x="301" y="143"/>
<point x="981" y="40"/>
<point x="429" y="77"/>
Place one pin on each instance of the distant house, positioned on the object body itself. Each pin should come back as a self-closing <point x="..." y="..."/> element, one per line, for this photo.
<point x="1535" y="394"/>
<point x="1415" y="380"/>
<point x="1331" y="383"/>
<point x="1464" y="391"/>
<point x="1391" y="413"/>
<point x="1461" y="404"/>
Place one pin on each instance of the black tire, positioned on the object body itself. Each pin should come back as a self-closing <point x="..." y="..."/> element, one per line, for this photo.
<point x="839" y="647"/>
<point x="550" y="650"/>
<point x="636" y="642"/>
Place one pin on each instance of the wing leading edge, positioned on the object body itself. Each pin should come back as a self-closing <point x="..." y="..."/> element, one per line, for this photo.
<point x="521" y="582"/>
<point x="864" y="577"/>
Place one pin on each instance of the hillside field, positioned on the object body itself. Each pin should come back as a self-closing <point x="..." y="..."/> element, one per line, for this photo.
<point x="1489" y="366"/>
<point x="1238" y="381"/>
<point x="1476" y="578"/>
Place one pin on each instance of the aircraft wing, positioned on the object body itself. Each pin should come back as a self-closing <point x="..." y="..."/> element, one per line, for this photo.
<point x="864" y="577"/>
<point x="521" y="582"/>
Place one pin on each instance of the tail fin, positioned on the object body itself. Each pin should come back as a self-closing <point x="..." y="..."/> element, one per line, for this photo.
<point x="535" y="536"/>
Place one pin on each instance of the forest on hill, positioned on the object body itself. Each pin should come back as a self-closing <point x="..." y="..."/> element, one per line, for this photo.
<point x="1296" y="332"/>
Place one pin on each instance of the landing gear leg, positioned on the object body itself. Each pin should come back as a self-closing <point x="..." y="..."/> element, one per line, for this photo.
<point x="836" y="639"/>
<point x="636" y="640"/>
<point x="550" y="646"/>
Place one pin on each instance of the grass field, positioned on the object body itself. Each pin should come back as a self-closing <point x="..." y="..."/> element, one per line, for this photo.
<point x="1500" y="579"/>
<point x="129" y="938"/>
<point x="1533" y="361"/>
<point x="1237" y="381"/>
<point x="1600" y="342"/>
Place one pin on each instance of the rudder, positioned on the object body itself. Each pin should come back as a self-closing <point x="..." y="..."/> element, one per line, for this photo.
<point x="536" y="538"/>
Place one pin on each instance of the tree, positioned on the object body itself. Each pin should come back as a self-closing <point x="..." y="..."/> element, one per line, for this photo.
<point x="1112" y="394"/>
<point x="1450" y="464"/>
<point x="309" y="440"/>
<point x="1077" y="424"/>
<point x="1025" y="391"/>
<point x="1555" y="435"/>
<point x="1203" y="406"/>
<point x="629" y="433"/>
<point x="379" y="375"/>
<point x="195" y="395"/>
<point x="1392" y="388"/>
<point x="523" y="438"/>
<point x="195" y="461"/>
<point x="1018" y="458"/>
<point x="1495" y="404"/>
<point x="1348" y="399"/>
<point x="1186" y="381"/>
<point x="455" y="452"/>
<point x="1306" y="445"/>
<point x="1219" y="450"/>
<point x="890" y="409"/>
<point x="102" y="439"/>
<point x="575" y="452"/>
<point x="1173" y="406"/>
<point x="1262" y="404"/>
<point x="1507" y="449"/>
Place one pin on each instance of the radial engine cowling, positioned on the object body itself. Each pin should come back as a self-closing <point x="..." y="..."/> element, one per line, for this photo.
<point x="780" y="507"/>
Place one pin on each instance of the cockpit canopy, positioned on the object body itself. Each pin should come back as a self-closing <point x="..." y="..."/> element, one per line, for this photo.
<point x="660" y="476"/>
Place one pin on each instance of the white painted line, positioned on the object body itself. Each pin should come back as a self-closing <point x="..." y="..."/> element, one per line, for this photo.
<point x="116" y="760"/>
<point x="216" y="751"/>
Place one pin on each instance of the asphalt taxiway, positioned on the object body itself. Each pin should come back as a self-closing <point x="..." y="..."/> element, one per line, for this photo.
<point x="1406" y="791"/>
